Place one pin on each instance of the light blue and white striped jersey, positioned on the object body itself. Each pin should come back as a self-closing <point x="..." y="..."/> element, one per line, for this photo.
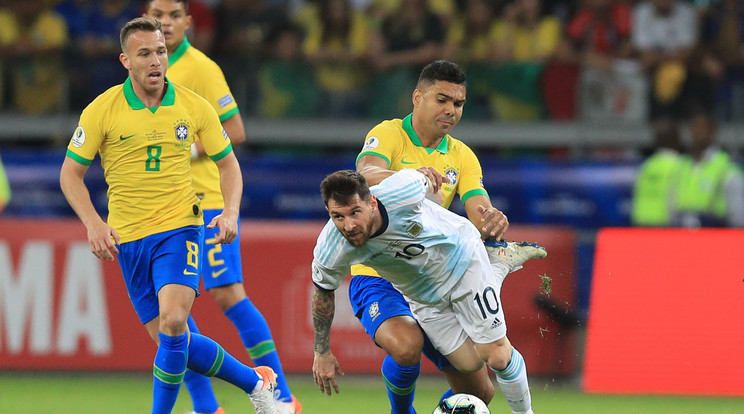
<point x="423" y="251"/>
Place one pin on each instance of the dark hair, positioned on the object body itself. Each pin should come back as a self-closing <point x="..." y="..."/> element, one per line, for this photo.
<point x="342" y="186"/>
<point x="185" y="4"/>
<point x="139" y="24"/>
<point x="442" y="70"/>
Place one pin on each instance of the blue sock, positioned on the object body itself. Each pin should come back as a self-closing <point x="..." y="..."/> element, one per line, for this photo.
<point x="199" y="386"/>
<point x="208" y="358"/>
<point x="256" y="336"/>
<point x="447" y="394"/>
<point x="168" y="371"/>
<point x="401" y="384"/>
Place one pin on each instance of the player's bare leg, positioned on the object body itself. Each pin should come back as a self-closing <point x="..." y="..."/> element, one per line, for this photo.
<point x="256" y="336"/>
<point x="403" y="341"/>
<point x="511" y="373"/>
<point x="476" y="383"/>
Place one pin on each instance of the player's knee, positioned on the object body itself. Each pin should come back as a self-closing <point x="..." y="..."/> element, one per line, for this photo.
<point x="227" y="296"/>
<point x="406" y="356"/>
<point x="405" y="348"/>
<point x="499" y="359"/>
<point x="173" y="323"/>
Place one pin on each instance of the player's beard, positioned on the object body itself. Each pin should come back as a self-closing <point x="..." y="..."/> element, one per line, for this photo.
<point x="360" y="240"/>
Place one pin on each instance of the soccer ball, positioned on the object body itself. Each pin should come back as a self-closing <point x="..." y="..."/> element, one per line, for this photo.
<point x="462" y="404"/>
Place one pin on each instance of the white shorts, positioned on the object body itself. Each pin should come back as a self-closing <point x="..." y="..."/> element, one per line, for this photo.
<point x="473" y="309"/>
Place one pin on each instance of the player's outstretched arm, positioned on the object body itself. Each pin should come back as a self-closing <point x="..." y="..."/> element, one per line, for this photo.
<point x="325" y="364"/>
<point x="102" y="238"/>
<point x="231" y="183"/>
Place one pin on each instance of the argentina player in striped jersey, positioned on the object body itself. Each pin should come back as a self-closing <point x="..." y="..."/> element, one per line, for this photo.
<point x="434" y="257"/>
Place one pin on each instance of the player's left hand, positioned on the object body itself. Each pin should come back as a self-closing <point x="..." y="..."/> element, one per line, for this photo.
<point x="228" y="226"/>
<point x="325" y="368"/>
<point x="494" y="222"/>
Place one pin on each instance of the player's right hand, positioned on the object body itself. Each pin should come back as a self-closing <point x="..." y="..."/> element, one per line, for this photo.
<point x="103" y="239"/>
<point x="434" y="176"/>
<point x="325" y="368"/>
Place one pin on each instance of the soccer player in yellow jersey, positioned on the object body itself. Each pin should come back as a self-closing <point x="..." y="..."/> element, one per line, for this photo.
<point x="143" y="130"/>
<point x="421" y="140"/>
<point x="222" y="271"/>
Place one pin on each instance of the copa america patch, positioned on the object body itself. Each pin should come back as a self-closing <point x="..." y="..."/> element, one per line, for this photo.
<point x="374" y="310"/>
<point x="182" y="131"/>
<point x="225" y="100"/>
<point x="371" y="143"/>
<point x="78" y="137"/>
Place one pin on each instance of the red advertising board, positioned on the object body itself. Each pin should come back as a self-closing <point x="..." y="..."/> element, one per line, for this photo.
<point x="666" y="312"/>
<point x="63" y="309"/>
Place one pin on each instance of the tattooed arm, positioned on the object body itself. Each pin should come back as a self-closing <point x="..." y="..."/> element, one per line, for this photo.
<point x="325" y="365"/>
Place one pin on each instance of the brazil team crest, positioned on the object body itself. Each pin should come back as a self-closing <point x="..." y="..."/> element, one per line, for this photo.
<point x="182" y="130"/>
<point x="452" y="173"/>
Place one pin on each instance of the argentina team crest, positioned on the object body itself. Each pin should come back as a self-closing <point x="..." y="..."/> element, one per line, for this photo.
<point x="181" y="129"/>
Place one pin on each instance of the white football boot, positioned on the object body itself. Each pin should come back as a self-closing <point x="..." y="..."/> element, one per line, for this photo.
<point x="512" y="254"/>
<point x="263" y="398"/>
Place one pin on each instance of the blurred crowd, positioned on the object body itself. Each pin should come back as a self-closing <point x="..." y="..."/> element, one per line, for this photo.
<point x="646" y="60"/>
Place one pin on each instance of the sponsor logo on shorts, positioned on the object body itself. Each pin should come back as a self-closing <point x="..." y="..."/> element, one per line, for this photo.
<point x="496" y="323"/>
<point x="374" y="310"/>
<point x="219" y="272"/>
<point x="188" y="273"/>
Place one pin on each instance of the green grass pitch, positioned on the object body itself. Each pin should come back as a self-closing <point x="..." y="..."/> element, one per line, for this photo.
<point x="126" y="393"/>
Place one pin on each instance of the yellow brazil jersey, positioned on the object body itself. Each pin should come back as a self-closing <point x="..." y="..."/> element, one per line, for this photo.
<point x="398" y="144"/>
<point x="145" y="154"/>
<point x="191" y="68"/>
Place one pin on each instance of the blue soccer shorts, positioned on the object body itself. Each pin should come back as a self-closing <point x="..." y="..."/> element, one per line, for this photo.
<point x="221" y="265"/>
<point x="148" y="264"/>
<point x="375" y="300"/>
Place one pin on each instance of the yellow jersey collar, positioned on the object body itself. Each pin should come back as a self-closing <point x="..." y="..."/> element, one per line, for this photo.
<point x="135" y="103"/>
<point x="408" y="127"/>
<point x="180" y="51"/>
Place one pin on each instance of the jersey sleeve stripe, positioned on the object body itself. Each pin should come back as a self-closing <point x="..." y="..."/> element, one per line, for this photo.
<point x="220" y="155"/>
<point x="78" y="158"/>
<point x="228" y="114"/>
<point x="373" y="153"/>
<point x="329" y="247"/>
<point x="414" y="190"/>
<point x="477" y="191"/>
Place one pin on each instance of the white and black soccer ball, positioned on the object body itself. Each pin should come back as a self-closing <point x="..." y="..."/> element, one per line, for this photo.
<point x="462" y="404"/>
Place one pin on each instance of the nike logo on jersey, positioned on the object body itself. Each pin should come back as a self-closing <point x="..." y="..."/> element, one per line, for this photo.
<point x="218" y="273"/>
<point x="403" y="161"/>
<point x="122" y="138"/>
<point x="187" y="273"/>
